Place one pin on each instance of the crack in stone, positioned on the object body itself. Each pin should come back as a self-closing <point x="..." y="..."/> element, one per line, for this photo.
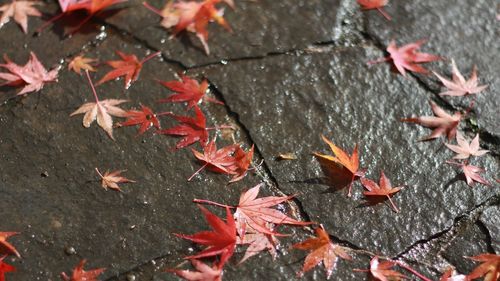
<point x="487" y="233"/>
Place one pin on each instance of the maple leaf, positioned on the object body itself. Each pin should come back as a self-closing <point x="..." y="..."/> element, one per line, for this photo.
<point x="257" y="212"/>
<point x="340" y="168"/>
<point x="188" y="90"/>
<point x="191" y="129"/>
<point x="258" y="242"/>
<point x="489" y="267"/>
<point x="91" y="7"/>
<point x="443" y="123"/>
<point x="220" y="241"/>
<point x="111" y="180"/>
<point x="33" y="75"/>
<point x="407" y="57"/>
<point x="375" y="4"/>
<point x="193" y="17"/>
<point x="450" y="276"/>
<point x="6" y="247"/>
<point x="80" y="62"/>
<point x="79" y="274"/>
<point x="384" y="189"/>
<point x="100" y="110"/>
<point x="465" y="149"/>
<point x="216" y="160"/>
<point x="459" y="86"/>
<point x="204" y="272"/>
<point x="322" y="250"/>
<point x="20" y="10"/>
<point x="382" y="270"/>
<point x="4" y="268"/>
<point x="242" y="162"/>
<point x="471" y="173"/>
<point x="129" y="66"/>
<point x="144" y="117"/>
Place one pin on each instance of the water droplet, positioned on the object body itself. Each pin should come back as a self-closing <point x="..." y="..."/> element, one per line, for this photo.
<point x="224" y="62"/>
<point x="70" y="250"/>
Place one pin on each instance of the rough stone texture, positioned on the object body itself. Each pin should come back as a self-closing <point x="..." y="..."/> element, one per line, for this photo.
<point x="259" y="28"/>
<point x="491" y="220"/>
<point x="465" y="31"/>
<point x="335" y="94"/>
<point x="281" y="101"/>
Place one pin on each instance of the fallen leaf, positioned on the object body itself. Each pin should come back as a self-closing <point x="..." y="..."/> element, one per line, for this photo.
<point x="383" y="189"/>
<point x="242" y="162"/>
<point x="32" y="75"/>
<point x="4" y="268"/>
<point x="191" y="129"/>
<point x="464" y="149"/>
<point x="442" y="123"/>
<point x="450" y="275"/>
<point x="111" y="180"/>
<point x="322" y="250"/>
<point x="129" y="66"/>
<point x="471" y="173"/>
<point x="20" y="10"/>
<point x="100" y="110"/>
<point x="204" y="272"/>
<point x="80" y="62"/>
<point x="79" y="274"/>
<point x="191" y="16"/>
<point x="6" y="247"/>
<point x="216" y="160"/>
<point x="459" y="86"/>
<point x="287" y="156"/>
<point x="90" y="7"/>
<point x="407" y="57"/>
<point x="258" y="242"/>
<point x="489" y="268"/>
<point x="375" y="4"/>
<point x="340" y="168"/>
<point x="257" y="212"/>
<point x="144" y="117"/>
<point x="188" y="90"/>
<point x="382" y="270"/>
<point x="220" y="241"/>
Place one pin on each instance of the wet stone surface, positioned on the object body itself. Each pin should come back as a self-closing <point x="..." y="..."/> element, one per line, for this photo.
<point x="279" y="100"/>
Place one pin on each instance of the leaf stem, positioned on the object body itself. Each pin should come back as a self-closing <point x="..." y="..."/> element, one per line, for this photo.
<point x="164" y="113"/>
<point x="410" y="269"/>
<point x="378" y="60"/>
<point x="386" y="16"/>
<point x="212" y="203"/>
<point x="393" y="205"/>
<point x="152" y="9"/>
<point x="220" y="127"/>
<point x="92" y="86"/>
<point x="150" y="57"/>
<point x="197" y="172"/>
<point x="50" y="21"/>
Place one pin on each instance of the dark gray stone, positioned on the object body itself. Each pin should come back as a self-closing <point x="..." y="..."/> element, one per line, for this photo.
<point x="491" y="220"/>
<point x="287" y="101"/>
<point x="465" y="31"/>
<point x="258" y="28"/>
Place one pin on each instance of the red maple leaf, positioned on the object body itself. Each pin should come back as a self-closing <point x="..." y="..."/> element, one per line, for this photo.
<point x="129" y="66"/>
<point x="459" y="86"/>
<point x="220" y="241"/>
<point x="450" y="275"/>
<point x="32" y="75"/>
<point x="322" y="250"/>
<point x="442" y="123"/>
<point x="375" y="4"/>
<point x="188" y="90"/>
<point x="79" y="274"/>
<point x="258" y="242"/>
<point x="144" y="117"/>
<point x="216" y="160"/>
<point x="20" y="10"/>
<point x="91" y="7"/>
<point x="382" y="270"/>
<point x="4" y="268"/>
<point x="192" y="16"/>
<point x="340" y="168"/>
<point x="383" y="189"/>
<point x="204" y="272"/>
<point x="257" y="212"/>
<point x="489" y="267"/>
<point x="191" y="129"/>
<point x="242" y="162"/>
<point x="464" y="149"/>
<point x="407" y="57"/>
<point x="6" y="247"/>
<point x="471" y="173"/>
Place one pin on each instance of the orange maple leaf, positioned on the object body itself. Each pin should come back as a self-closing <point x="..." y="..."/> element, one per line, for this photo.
<point x="111" y="180"/>
<point x="79" y="274"/>
<point x="80" y="62"/>
<point x="489" y="268"/>
<point x="6" y="247"/>
<point x="340" y="168"/>
<point x="322" y="250"/>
